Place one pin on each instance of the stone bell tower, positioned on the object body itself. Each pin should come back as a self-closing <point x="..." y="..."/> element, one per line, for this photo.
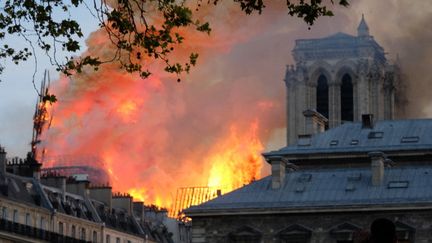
<point x="342" y="77"/>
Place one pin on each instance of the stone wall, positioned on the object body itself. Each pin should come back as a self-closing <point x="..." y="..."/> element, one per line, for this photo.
<point x="217" y="229"/>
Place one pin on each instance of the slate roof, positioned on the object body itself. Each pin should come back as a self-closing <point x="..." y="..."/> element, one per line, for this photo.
<point x="386" y="136"/>
<point x="332" y="41"/>
<point x="21" y="189"/>
<point x="327" y="189"/>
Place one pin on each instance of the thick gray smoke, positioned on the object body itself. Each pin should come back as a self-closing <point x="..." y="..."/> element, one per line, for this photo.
<point x="155" y="135"/>
<point x="402" y="27"/>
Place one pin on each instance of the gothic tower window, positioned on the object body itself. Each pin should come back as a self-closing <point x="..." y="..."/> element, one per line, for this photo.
<point x="347" y="99"/>
<point x="322" y="96"/>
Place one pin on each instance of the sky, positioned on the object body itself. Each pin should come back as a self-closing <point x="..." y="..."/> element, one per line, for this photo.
<point x="400" y="26"/>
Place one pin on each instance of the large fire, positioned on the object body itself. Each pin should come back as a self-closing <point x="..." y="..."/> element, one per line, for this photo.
<point x="155" y="135"/>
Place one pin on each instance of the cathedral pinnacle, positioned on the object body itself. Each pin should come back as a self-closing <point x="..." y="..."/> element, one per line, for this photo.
<point x="362" y="29"/>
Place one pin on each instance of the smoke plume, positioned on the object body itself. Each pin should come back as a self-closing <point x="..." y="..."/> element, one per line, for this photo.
<point x="156" y="135"/>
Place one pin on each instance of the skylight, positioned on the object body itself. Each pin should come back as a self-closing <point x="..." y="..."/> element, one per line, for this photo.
<point x="410" y="139"/>
<point x="374" y="135"/>
<point x="397" y="184"/>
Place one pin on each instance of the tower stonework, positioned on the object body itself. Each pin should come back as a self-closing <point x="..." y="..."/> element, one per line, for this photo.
<point x="342" y="77"/>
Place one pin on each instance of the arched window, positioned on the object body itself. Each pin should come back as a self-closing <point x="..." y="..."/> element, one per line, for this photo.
<point x="347" y="99"/>
<point x="322" y="96"/>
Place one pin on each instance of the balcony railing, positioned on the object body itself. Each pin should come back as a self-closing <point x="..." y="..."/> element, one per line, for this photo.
<point x="35" y="233"/>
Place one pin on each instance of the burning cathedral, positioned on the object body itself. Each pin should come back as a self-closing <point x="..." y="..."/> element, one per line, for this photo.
<point x="349" y="158"/>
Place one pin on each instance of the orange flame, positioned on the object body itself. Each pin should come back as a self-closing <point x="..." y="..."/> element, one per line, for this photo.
<point x="236" y="161"/>
<point x="155" y="136"/>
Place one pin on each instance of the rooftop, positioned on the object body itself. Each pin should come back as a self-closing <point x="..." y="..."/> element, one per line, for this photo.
<point x="388" y="136"/>
<point x="325" y="189"/>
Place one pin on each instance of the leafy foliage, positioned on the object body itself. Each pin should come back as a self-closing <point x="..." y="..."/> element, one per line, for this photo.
<point x="130" y="25"/>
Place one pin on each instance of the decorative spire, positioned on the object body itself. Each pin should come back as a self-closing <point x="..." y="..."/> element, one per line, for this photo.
<point x="362" y="29"/>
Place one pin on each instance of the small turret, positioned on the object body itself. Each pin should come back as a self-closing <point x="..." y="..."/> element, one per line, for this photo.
<point x="363" y="29"/>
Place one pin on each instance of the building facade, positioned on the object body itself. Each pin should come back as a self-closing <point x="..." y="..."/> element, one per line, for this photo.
<point x="50" y="207"/>
<point x="342" y="77"/>
<point x="348" y="161"/>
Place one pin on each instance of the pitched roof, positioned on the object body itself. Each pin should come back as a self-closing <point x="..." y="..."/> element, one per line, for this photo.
<point x="326" y="189"/>
<point x="386" y="136"/>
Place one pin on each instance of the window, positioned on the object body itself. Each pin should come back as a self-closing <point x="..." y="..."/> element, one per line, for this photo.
<point x="305" y="178"/>
<point x="346" y="99"/>
<point x="118" y="240"/>
<point x="83" y="234"/>
<point x="245" y="235"/>
<point x="107" y="239"/>
<point x="60" y="228"/>
<point x="94" y="236"/>
<point x="404" y="232"/>
<point x="28" y="219"/>
<point x="42" y="223"/>
<point x="397" y="184"/>
<point x="322" y="96"/>
<point x="294" y="234"/>
<point x="15" y="216"/>
<point x="73" y="231"/>
<point x="5" y="213"/>
<point x="343" y="233"/>
<point x="373" y="135"/>
<point x="412" y="139"/>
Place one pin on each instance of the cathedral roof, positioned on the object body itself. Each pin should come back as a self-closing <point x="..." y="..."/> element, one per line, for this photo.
<point x="339" y="45"/>
<point x="324" y="190"/>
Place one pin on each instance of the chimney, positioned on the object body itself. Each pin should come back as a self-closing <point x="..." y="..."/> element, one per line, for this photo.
<point x="55" y="180"/>
<point x="377" y="167"/>
<point x="123" y="201"/>
<point x="315" y="122"/>
<point x="3" y="168"/>
<point x="102" y="194"/>
<point x="2" y="162"/>
<point x="279" y="167"/>
<point x="138" y="209"/>
<point x="78" y="184"/>
<point x="367" y="121"/>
